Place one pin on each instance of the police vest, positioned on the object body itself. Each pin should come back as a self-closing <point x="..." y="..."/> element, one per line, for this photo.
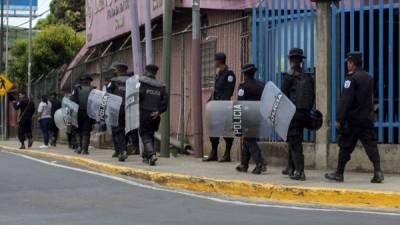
<point x="119" y="85"/>
<point x="151" y="94"/>
<point x="302" y="94"/>
<point x="83" y="95"/>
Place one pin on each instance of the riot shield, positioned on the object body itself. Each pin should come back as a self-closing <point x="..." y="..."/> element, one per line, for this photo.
<point x="59" y="119"/>
<point x="236" y="119"/>
<point x="70" y="112"/>
<point x="132" y="104"/>
<point x="104" y="107"/>
<point x="277" y="109"/>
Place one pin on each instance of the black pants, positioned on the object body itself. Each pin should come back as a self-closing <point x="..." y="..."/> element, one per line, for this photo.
<point x="54" y="132"/>
<point x="215" y="142"/>
<point x="84" y="130"/>
<point x="72" y="136"/>
<point x="148" y="127"/>
<point x="295" y="144"/>
<point x="118" y="134"/>
<point x="251" y="150"/>
<point x="24" y="129"/>
<point x="348" y="141"/>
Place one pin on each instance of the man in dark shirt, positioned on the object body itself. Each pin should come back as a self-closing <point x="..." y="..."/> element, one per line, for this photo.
<point x="355" y="119"/>
<point x="55" y="105"/>
<point x="153" y="102"/>
<point x="26" y="109"/>
<point x="224" y="87"/>
<point x="250" y="90"/>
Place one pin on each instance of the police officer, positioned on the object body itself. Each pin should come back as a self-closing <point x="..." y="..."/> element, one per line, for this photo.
<point x="299" y="88"/>
<point x="153" y="102"/>
<point x="55" y="105"/>
<point x="355" y="118"/>
<point x="250" y="90"/>
<point x="224" y="86"/>
<point x="26" y="109"/>
<point x="80" y="95"/>
<point x="117" y="86"/>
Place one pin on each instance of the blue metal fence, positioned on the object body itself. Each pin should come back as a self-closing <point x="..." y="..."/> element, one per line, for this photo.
<point x="380" y="51"/>
<point x="277" y="26"/>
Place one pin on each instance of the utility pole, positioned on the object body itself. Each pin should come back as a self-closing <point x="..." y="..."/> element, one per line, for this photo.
<point x="6" y="72"/>
<point x="323" y="25"/>
<point x="2" y="102"/>
<point x="167" y="34"/>
<point x="148" y="30"/>
<point x="135" y="34"/>
<point x="30" y="52"/>
<point x="197" y="102"/>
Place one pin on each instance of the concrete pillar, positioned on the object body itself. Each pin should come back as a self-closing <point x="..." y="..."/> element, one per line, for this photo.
<point x="322" y="79"/>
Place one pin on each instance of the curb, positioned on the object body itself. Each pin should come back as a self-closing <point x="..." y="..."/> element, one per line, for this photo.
<point x="259" y="191"/>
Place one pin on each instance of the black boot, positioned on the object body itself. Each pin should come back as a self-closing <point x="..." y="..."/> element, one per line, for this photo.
<point x="227" y="154"/>
<point x="298" y="175"/>
<point x="153" y="159"/>
<point x="85" y="145"/>
<point x="378" y="177"/>
<point x="334" y="177"/>
<point x="260" y="168"/>
<point x="122" y="155"/>
<point x="226" y="157"/>
<point x="115" y="155"/>
<point x="22" y="146"/>
<point x="242" y="168"/>
<point x="30" y="142"/>
<point x="288" y="171"/>
<point x="213" y="155"/>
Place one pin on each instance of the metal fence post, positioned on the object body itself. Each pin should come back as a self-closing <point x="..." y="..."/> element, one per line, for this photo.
<point x="323" y="64"/>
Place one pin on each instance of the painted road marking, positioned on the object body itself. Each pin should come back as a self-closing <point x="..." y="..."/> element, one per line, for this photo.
<point x="210" y="198"/>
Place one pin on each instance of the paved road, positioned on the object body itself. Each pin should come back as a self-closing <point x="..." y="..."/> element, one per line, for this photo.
<point x="33" y="193"/>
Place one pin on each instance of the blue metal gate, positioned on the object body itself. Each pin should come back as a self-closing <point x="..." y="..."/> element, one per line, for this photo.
<point x="277" y="26"/>
<point x="370" y="27"/>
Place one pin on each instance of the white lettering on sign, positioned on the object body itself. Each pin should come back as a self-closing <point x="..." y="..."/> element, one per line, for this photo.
<point x="275" y="106"/>
<point x="157" y="4"/>
<point x="237" y="119"/>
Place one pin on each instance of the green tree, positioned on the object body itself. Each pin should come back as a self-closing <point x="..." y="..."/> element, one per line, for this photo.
<point x="52" y="47"/>
<point x="70" y="12"/>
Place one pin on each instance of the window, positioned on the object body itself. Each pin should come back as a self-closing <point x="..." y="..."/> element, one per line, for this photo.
<point x="208" y="50"/>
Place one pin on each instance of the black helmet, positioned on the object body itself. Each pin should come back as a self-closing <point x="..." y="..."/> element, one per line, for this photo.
<point x="355" y="57"/>
<point x="249" y="69"/>
<point x="314" y="120"/>
<point x="119" y="65"/>
<point x="296" y="52"/>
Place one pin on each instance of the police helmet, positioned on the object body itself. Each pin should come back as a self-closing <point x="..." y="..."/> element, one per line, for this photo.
<point x="119" y="65"/>
<point x="86" y="77"/>
<point x="296" y="52"/>
<point x="249" y="69"/>
<point x="152" y="68"/>
<point x="314" y="120"/>
<point x="220" y="56"/>
<point x="355" y="57"/>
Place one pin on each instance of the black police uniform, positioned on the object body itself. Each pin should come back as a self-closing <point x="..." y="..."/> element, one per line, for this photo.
<point x="153" y="98"/>
<point x="251" y="90"/>
<point x="27" y="110"/>
<point x="80" y="96"/>
<point x="356" y="115"/>
<point x="117" y="86"/>
<point x="299" y="88"/>
<point x="224" y="87"/>
<point x="55" y="105"/>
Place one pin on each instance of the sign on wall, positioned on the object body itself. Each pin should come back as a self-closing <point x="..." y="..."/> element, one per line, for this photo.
<point x="106" y="19"/>
<point x="22" y="4"/>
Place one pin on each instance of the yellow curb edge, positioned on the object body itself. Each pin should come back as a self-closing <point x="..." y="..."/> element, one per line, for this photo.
<point x="236" y="188"/>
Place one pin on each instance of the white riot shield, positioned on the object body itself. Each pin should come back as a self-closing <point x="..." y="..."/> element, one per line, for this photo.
<point x="59" y="119"/>
<point x="236" y="119"/>
<point x="132" y="104"/>
<point x="70" y="112"/>
<point x="104" y="107"/>
<point x="277" y="109"/>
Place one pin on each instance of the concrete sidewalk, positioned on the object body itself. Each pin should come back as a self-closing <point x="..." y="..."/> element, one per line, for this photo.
<point x="357" y="189"/>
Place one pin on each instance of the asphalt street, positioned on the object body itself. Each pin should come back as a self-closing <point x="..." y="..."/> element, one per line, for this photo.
<point x="34" y="193"/>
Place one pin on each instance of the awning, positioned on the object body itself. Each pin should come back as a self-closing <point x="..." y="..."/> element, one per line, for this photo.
<point x="73" y="63"/>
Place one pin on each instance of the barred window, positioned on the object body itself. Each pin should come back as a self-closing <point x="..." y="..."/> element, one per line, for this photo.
<point x="208" y="50"/>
